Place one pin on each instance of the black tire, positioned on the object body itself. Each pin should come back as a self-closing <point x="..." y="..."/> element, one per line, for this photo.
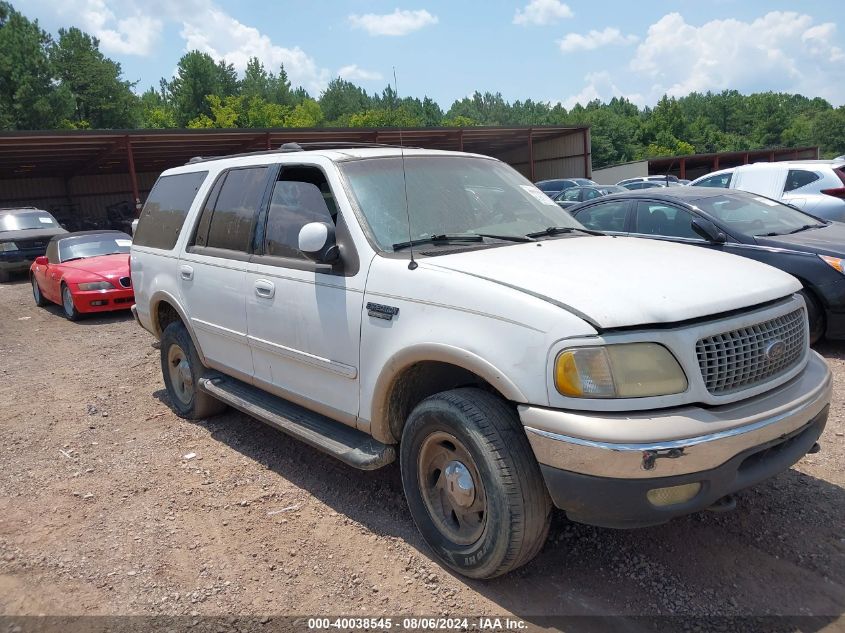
<point x="71" y="313"/>
<point x="40" y="301"/>
<point x="517" y="510"/>
<point x="191" y="404"/>
<point x="815" y="315"/>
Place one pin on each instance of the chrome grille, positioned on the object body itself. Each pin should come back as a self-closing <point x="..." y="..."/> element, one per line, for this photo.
<point x="744" y="357"/>
<point x="126" y="282"/>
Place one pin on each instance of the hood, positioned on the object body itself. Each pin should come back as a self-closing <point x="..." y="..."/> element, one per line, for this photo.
<point x="109" y="267"/>
<point x="624" y="281"/>
<point x="829" y="240"/>
<point x="31" y="234"/>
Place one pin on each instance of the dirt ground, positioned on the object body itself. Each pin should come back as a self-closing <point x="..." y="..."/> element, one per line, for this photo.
<point x="103" y="512"/>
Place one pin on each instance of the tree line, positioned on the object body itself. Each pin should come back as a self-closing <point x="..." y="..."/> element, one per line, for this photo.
<point x="66" y="82"/>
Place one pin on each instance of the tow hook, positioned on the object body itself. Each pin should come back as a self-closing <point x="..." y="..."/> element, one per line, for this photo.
<point x="725" y="504"/>
<point x="650" y="457"/>
<point x="815" y="448"/>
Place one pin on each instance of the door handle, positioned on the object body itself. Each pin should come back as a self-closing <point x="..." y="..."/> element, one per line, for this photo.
<point x="186" y="272"/>
<point x="265" y="289"/>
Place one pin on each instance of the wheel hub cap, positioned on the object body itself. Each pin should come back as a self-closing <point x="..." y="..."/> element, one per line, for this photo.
<point x="181" y="376"/>
<point x="459" y="484"/>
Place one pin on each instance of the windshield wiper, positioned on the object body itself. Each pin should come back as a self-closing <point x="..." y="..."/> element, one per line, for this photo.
<point x="444" y="238"/>
<point x="71" y="259"/>
<point x="507" y="238"/>
<point x="557" y="230"/>
<point x="807" y="227"/>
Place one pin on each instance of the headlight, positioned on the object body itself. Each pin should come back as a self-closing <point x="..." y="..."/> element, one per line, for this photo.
<point x="8" y="246"/>
<point x="629" y="370"/>
<point x="834" y="262"/>
<point x="96" y="285"/>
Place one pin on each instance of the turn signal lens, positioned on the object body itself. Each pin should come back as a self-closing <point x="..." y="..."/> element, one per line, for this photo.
<point x="834" y="262"/>
<point x="631" y="370"/>
<point x="673" y="494"/>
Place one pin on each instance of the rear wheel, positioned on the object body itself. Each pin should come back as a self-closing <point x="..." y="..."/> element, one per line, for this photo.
<point x="815" y="314"/>
<point x="40" y="301"/>
<point x="71" y="312"/>
<point x="472" y="483"/>
<point x="181" y="369"/>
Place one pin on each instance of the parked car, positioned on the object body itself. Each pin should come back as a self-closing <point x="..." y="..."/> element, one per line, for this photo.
<point x="553" y="187"/>
<point x="665" y="180"/>
<point x="574" y="195"/>
<point x="371" y="303"/>
<point x="84" y="272"/>
<point x="24" y="233"/>
<point x="642" y="184"/>
<point x="814" y="186"/>
<point x="741" y="223"/>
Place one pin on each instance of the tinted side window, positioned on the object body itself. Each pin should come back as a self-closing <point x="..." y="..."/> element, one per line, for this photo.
<point x="608" y="216"/>
<point x="234" y="212"/>
<point x="655" y="218"/>
<point x="797" y="178"/>
<point x="571" y="195"/>
<point x="719" y="180"/>
<point x="165" y="210"/>
<point x="589" y="194"/>
<point x="300" y="195"/>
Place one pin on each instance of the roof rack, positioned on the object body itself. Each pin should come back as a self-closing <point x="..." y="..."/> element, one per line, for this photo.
<point x="300" y="147"/>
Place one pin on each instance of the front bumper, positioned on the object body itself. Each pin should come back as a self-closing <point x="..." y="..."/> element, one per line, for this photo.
<point x="16" y="262"/>
<point x="103" y="300"/>
<point x="725" y="448"/>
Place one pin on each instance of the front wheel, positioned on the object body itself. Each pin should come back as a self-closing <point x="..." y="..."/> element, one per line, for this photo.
<point x="40" y="301"/>
<point x="815" y="315"/>
<point x="473" y="484"/>
<point x="71" y="312"/>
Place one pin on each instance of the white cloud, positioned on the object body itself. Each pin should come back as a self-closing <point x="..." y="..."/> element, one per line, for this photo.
<point x="353" y="72"/>
<point x="599" y="85"/>
<point x="207" y="28"/>
<point x="781" y="51"/>
<point x="542" y="12"/>
<point x="594" y="39"/>
<point x="400" y="22"/>
<point x="133" y="33"/>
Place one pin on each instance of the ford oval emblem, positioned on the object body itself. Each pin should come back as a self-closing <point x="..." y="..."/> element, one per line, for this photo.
<point x="775" y="350"/>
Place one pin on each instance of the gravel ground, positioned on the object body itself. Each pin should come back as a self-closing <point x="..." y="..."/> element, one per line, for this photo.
<point x="110" y="504"/>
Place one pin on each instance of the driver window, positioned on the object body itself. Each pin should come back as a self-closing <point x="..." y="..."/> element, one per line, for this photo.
<point x="572" y="195"/>
<point x="300" y="195"/>
<point x="653" y="218"/>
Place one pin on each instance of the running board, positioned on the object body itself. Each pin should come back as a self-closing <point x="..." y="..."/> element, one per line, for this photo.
<point x="349" y="445"/>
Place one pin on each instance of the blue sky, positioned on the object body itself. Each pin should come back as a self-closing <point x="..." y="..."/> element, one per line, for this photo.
<point x="545" y="50"/>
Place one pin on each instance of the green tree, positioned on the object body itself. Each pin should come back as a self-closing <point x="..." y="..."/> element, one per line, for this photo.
<point x="341" y="99"/>
<point x="30" y="99"/>
<point x="101" y="97"/>
<point x="257" y="82"/>
<point x="156" y="112"/>
<point x="382" y="117"/>
<point x="305" y="114"/>
<point x="197" y="77"/>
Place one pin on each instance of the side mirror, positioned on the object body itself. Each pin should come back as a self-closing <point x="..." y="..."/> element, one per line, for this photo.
<point x="41" y="260"/>
<point x="709" y="231"/>
<point x="317" y="243"/>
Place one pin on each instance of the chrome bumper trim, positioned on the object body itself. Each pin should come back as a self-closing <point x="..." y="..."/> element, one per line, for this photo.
<point x="641" y="460"/>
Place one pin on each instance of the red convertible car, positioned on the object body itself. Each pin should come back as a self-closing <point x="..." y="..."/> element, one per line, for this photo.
<point x="84" y="272"/>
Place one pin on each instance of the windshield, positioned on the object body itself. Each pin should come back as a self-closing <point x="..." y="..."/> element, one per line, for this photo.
<point x="449" y="195"/>
<point x="25" y="221"/>
<point x="756" y="215"/>
<point x="94" y="245"/>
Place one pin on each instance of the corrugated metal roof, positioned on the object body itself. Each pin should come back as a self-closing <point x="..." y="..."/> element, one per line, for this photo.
<point x="76" y="152"/>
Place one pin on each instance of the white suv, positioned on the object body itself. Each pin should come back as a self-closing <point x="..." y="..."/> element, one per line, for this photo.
<point x="814" y="186"/>
<point x="439" y="308"/>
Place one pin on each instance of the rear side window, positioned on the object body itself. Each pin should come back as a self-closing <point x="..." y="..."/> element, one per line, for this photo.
<point x="165" y="210"/>
<point x="229" y="224"/>
<point x="607" y="216"/>
<point x="797" y="178"/>
<point x="719" y="180"/>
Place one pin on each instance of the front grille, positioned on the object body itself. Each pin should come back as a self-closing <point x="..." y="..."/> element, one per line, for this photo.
<point x="744" y="358"/>
<point x="31" y="244"/>
<point x="126" y="282"/>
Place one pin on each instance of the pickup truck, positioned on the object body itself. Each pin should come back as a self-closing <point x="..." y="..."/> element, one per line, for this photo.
<point x="383" y="303"/>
